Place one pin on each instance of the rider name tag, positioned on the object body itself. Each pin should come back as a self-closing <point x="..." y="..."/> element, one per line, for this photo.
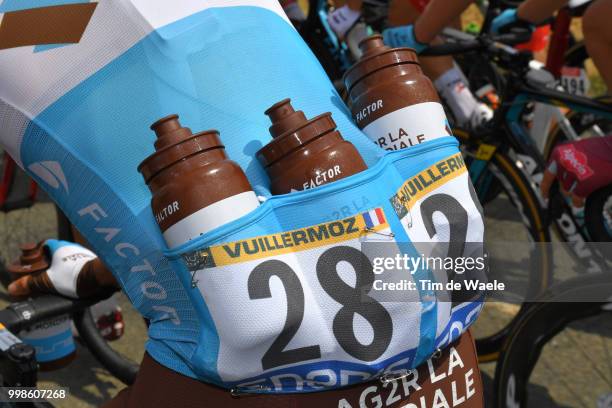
<point x="300" y="304"/>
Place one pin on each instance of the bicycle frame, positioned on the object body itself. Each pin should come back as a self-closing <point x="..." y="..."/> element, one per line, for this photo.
<point x="532" y="163"/>
<point x="559" y="42"/>
<point x="317" y="33"/>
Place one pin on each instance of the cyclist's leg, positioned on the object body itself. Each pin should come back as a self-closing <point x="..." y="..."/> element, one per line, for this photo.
<point x="446" y="76"/>
<point x="354" y="4"/>
<point x="598" y="37"/>
<point x="402" y="12"/>
<point x="344" y="16"/>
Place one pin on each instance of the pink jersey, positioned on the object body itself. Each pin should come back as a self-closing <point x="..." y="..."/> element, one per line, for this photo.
<point x="583" y="166"/>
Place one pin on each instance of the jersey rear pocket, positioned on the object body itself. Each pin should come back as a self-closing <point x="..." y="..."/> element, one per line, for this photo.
<point x="292" y="296"/>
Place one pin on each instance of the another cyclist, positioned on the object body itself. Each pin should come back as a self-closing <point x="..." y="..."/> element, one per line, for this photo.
<point x="343" y="18"/>
<point x="74" y="271"/>
<point x="445" y="74"/>
<point x="581" y="167"/>
<point x="595" y="26"/>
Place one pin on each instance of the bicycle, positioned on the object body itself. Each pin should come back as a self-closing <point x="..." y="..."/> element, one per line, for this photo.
<point x="520" y="86"/>
<point x="18" y="367"/>
<point x="567" y="315"/>
<point x="480" y="154"/>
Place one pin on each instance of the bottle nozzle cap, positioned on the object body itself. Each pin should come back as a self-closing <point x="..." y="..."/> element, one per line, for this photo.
<point x="372" y="45"/>
<point x="376" y="55"/>
<point x="31" y="253"/>
<point x="290" y="130"/>
<point x="174" y="143"/>
<point x="284" y="117"/>
<point x="169" y="131"/>
<point x="166" y="124"/>
<point x="32" y="259"/>
<point x="28" y="248"/>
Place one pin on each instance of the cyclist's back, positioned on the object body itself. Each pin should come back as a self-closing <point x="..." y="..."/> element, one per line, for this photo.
<point x="77" y="103"/>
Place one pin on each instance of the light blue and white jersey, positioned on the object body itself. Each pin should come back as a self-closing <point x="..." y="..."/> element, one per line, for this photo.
<point x="270" y="300"/>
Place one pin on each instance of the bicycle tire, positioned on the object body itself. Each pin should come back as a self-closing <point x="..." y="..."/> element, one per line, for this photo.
<point x="598" y="228"/>
<point x="118" y="365"/>
<point x="537" y="327"/>
<point x="517" y="187"/>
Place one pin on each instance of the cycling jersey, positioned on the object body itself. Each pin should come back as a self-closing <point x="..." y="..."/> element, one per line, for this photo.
<point x="80" y="85"/>
<point x="583" y="166"/>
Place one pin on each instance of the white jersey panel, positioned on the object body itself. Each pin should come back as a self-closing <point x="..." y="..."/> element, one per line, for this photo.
<point x="115" y="26"/>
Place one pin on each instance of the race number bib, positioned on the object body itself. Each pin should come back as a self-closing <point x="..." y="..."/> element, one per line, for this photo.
<point x="439" y="203"/>
<point x="286" y="305"/>
<point x="328" y="304"/>
<point x="575" y="80"/>
<point x="441" y="215"/>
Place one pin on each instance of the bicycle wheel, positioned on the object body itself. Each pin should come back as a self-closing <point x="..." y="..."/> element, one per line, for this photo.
<point x="560" y="351"/>
<point x="514" y="226"/>
<point x="598" y="215"/>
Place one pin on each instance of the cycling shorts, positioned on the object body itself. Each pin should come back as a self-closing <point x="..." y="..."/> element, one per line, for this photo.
<point x="450" y="378"/>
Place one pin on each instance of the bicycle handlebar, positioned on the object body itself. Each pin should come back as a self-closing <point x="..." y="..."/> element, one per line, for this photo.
<point x="22" y="314"/>
<point x="459" y="42"/>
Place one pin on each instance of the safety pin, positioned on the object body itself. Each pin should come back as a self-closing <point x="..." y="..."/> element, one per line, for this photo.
<point x="391" y="377"/>
<point x="256" y="389"/>
<point x="373" y="231"/>
<point x="409" y="215"/>
<point x="198" y="258"/>
<point x="194" y="281"/>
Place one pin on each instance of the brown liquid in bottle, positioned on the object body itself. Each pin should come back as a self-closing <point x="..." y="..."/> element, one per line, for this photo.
<point x="195" y="187"/>
<point x="392" y="101"/>
<point x="305" y="153"/>
<point x="31" y="261"/>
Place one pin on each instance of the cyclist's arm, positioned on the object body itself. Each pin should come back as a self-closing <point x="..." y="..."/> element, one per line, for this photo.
<point x="96" y="279"/>
<point x="437" y="15"/>
<point x="92" y="279"/>
<point x="536" y="11"/>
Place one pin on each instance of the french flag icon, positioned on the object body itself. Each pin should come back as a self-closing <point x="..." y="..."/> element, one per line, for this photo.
<point x="374" y="217"/>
